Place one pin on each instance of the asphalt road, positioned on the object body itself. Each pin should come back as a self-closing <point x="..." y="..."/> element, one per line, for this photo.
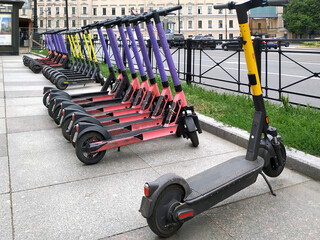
<point x="287" y="71"/>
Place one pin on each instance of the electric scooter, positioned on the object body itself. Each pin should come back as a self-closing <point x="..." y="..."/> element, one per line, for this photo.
<point x="171" y="200"/>
<point x="92" y="141"/>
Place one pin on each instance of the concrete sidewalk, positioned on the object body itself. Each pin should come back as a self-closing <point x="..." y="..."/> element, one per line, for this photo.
<point x="47" y="193"/>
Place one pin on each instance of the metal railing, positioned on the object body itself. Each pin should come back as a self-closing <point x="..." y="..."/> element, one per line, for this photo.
<point x="284" y="71"/>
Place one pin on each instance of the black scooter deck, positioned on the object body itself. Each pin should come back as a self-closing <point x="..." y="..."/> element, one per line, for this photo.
<point x="224" y="175"/>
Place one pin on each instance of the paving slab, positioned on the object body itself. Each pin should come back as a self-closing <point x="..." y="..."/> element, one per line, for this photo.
<point x="3" y="145"/>
<point x="201" y="227"/>
<point x="30" y="123"/>
<point x="27" y="110"/>
<point x="89" y="209"/>
<point x="169" y="149"/>
<point x="4" y="175"/>
<point x="25" y="101"/>
<point x="5" y="217"/>
<point x="3" y="129"/>
<point x="52" y="160"/>
<point x="267" y="217"/>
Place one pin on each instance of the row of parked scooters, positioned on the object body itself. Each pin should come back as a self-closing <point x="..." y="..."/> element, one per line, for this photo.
<point x="124" y="113"/>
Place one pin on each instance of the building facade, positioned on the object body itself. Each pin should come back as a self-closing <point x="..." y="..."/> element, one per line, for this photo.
<point x="196" y="17"/>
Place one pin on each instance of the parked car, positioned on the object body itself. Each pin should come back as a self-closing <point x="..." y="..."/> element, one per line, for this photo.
<point x="282" y="41"/>
<point x="234" y="44"/>
<point x="175" y="39"/>
<point x="270" y="43"/>
<point x="201" y="41"/>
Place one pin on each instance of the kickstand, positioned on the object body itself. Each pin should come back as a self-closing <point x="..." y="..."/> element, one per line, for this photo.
<point x="118" y="149"/>
<point x="269" y="185"/>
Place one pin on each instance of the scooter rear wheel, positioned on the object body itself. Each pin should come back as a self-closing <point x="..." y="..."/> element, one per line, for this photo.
<point x="61" y="82"/>
<point x="44" y="98"/>
<point x="83" y="142"/>
<point x="272" y="170"/>
<point x="161" y="221"/>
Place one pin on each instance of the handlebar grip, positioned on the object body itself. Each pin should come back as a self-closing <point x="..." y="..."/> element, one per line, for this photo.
<point x="221" y="6"/>
<point x="165" y="12"/>
<point x="277" y="2"/>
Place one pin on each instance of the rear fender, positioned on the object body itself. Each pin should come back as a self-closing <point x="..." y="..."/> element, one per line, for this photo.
<point x="87" y="119"/>
<point x="94" y="128"/>
<point x="46" y="89"/>
<point x="155" y="189"/>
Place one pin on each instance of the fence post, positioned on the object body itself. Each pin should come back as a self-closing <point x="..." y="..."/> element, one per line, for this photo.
<point x="257" y="45"/>
<point x="189" y="53"/>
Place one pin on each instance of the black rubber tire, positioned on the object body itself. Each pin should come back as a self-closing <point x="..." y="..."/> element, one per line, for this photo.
<point x="160" y="217"/>
<point x="287" y="45"/>
<point x="64" y="128"/>
<point x="60" y="83"/>
<point x="55" y="116"/>
<point x="178" y="132"/>
<point x="51" y="104"/>
<point x="194" y="138"/>
<point x="271" y="170"/>
<point x="44" y="98"/>
<point x="89" y="137"/>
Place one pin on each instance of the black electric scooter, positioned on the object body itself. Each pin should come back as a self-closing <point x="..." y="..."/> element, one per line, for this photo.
<point x="172" y="200"/>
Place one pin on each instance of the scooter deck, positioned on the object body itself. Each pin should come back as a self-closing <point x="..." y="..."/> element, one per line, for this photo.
<point x="124" y="118"/>
<point x="218" y="178"/>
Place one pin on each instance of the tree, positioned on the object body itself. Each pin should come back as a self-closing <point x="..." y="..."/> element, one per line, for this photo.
<point x="302" y="17"/>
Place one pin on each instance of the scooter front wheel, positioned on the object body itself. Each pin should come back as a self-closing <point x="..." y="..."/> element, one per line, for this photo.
<point x="272" y="170"/>
<point x="161" y="221"/>
<point x="82" y="148"/>
<point x="61" y="82"/>
<point x="194" y="138"/>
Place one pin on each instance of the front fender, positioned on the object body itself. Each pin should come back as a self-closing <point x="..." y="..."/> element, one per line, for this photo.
<point x="156" y="187"/>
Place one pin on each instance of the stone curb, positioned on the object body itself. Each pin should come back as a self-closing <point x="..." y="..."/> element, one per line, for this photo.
<point x="306" y="164"/>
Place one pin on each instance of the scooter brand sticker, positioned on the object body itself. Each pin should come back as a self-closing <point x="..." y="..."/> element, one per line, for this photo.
<point x="61" y="119"/>
<point x="70" y="124"/>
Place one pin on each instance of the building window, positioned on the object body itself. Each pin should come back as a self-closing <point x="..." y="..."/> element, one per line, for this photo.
<point x="57" y="23"/>
<point x="259" y="25"/>
<point x="49" y="10"/>
<point x="41" y="23"/>
<point x="220" y="24"/>
<point x="220" y="36"/>
<point x="181" y="25"/>
<point x="65" y="10"/>
<point x="84" y="10"/>
<point x="113" y="11"/>
<point x="85" y="22"/>
<point x="190" y="24"/>
<point x="41" y="10"/>
<point x="210" y="9"/>
<point x="49" y="23"/>
<point x="180" y="11"/>
<point x="94" y="11"/>
<point x="104" y="11"/>
<point x="73" y="23"/>
<point x="230" y="23"/>
<point x="230" y="11"/>
<point x="65" y="23"/>
<point x="23" y="11"/>
<point x="199" y="10"/>
<point x="123" y="11"/>
<point x="200" y="24"/>
<point x="141" y="9"/>
<point x="131" y="10"/>
<point x="209" y="24"/>
<point x="151" y="8"/>
<point x="190" y="10"/>
<point x="230" y="35"/>
<point x="220" y="11"/>
<point x="57" y="11"/>
<point x="160" y="7"/>
<point x="73" y="10"/>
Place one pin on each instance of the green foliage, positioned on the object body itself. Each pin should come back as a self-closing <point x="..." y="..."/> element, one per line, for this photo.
<point x="302" y="16"/>
<point x="285" y="102"/>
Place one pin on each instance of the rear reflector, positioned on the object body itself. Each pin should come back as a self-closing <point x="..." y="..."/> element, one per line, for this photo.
<point x="77" y="127"/>
<point x="55" y="101"/>
<point x="187" y="214"/>
<point x="72" y="117"/>
<point x="146" y="190"/>
<point x="63" y="112"/>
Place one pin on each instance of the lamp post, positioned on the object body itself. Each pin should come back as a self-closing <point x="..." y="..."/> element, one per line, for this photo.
<point x="179" y="17"/>
<point x="225" y="19"/>
<point x="67" y="15"/>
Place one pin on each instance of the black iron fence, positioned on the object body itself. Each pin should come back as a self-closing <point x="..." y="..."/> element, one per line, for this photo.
<point x="287" y="69"/>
